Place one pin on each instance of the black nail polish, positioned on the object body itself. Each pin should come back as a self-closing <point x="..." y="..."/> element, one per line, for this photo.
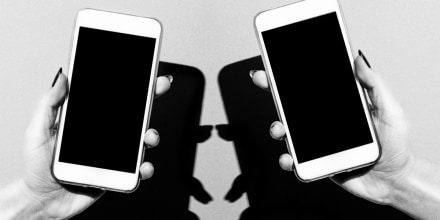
<point x="364" y="58"/>
<point x="170" y="78"/>
<point x="56" y="76"/>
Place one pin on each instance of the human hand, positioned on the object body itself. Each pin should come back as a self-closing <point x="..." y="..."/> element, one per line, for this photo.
<point x="375" y="183"/>
<point x="62" y="201"/>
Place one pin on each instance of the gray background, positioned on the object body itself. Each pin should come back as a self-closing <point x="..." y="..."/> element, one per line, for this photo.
<point x="400" y="38"/>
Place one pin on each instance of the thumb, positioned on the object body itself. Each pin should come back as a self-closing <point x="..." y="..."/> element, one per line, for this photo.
<point x="380" y="95"/>
<point x="45" y="115"/>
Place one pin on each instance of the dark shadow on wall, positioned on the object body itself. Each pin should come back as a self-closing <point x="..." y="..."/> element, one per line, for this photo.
<point x="176" y="115"/>
<point x="271" y="192"/>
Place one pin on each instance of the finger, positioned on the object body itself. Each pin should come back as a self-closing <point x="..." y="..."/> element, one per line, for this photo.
<point x="146" y="170"/>
<point x="259" y="78"/>
<point x="56" y="95"/>
<point x="151" y="138"/>
<point x="286" y="162"/>
<point x="44" y="117"/>
<point x="379" y="94"/>
<point x="163" y="84"/>
<point x="277" y="131"/>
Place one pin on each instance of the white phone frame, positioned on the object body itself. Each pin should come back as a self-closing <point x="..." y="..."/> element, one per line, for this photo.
<point x="98" y="177"/>
<point x="329" y="165"/>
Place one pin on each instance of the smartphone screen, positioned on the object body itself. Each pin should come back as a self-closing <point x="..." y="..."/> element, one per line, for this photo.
<point x="107" y="100"/>
<point x="317" y="88"/>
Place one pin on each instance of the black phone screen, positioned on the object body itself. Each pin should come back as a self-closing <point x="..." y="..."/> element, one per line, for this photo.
<point x="317" y="88"/>
<point x="107" y="99"/>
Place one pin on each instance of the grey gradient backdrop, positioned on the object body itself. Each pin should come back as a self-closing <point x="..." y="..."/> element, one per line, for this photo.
<point x="401" y="39"/>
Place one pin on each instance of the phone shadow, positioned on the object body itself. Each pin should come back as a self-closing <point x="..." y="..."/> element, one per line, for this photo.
<point x="176" y="115"/>
<point x="271" y="192"/>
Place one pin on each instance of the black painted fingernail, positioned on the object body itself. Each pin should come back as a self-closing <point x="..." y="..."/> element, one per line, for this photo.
<point x="56" y="76"/>
<point x="170" y="78"/>
<point x="252" y="73"/>
<point x="364" y="58"/>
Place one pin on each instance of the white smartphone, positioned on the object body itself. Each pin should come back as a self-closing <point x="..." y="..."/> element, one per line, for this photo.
<point x="309" y="66"/>
<point x="111" y="75"/>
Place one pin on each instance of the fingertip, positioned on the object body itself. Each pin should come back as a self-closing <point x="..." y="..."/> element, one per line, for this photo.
<point x="277" y="130"/>
<point x="360" y="65"/>
<point x="286" y="162"/>
<point x="170" y="78"/>
<point x="151" y="138"/>
<point x="57" y="93"/>
<point x="259" y="78"/>
<point x="146" y="170"/>
<point x="61" y="81"/>
<point x="163" y="84"/>
<point x="365" y="75"/>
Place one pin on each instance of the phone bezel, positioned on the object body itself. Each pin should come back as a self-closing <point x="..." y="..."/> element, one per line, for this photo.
<point x="98" y="177"/>
<point x="329" y="165"/>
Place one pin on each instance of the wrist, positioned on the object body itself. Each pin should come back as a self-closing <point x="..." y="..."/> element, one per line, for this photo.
<point x="46" y="202"/>
<point x="398" y="183"/>
<point x="38" y="204"/>
<point x="16" y="202"/>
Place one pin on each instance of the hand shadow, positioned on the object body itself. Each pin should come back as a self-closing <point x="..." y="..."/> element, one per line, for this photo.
<point x="176" y="115"/>
<point x="271" y="192"/>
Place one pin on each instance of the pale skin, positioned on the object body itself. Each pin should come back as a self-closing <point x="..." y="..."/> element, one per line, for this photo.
<point x="37" y="195"/>
<point x="399" y="179"/>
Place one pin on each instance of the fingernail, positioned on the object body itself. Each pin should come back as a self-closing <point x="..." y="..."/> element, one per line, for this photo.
<point x="158" y="137"/>
<point x="56" y="76"/>
<point x="170" y="78"/>
<point x="158" y="140"/>
<point x="364" y="58"/>
<point x="271" y="128"/>
<point x="273" y="125"/>
<point x="252" y="73"/>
